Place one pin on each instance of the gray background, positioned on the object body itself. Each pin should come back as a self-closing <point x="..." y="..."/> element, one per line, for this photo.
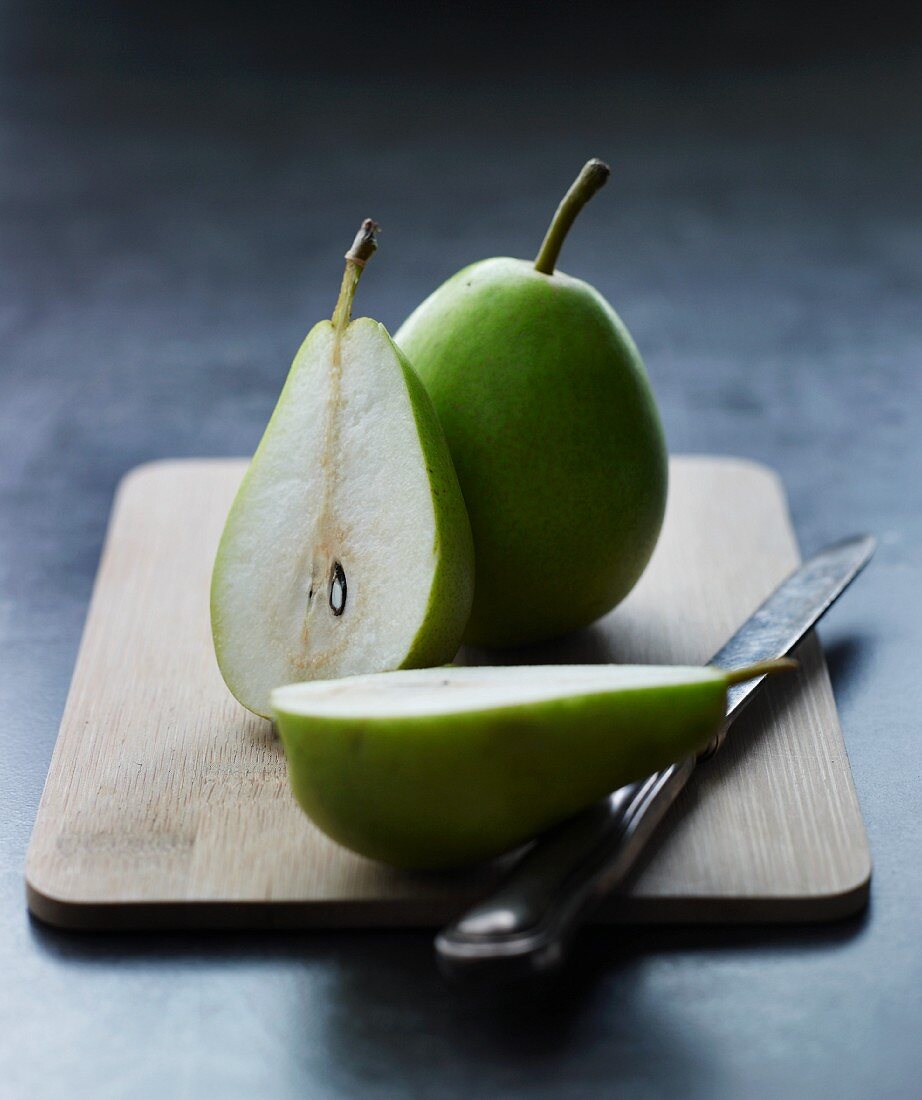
<point x="176" y="193"/>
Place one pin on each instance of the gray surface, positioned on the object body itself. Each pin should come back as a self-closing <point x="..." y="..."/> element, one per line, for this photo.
<point x="168" y="235"/>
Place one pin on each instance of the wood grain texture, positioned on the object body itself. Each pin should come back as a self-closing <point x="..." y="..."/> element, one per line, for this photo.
<point x="167" y="804"/>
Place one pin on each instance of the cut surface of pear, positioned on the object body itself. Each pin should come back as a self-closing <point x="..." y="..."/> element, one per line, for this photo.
<point x="347" y="548"/>
<point x="442" y="767"/>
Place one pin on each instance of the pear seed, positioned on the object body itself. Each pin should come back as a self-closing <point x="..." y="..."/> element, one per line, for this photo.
<point x="337" y="589"/>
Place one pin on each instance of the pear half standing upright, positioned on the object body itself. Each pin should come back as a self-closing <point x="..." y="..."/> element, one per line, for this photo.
<point x="554" y="433"/>
<point x="348" y="548"/>
<point x="447" y="766"/>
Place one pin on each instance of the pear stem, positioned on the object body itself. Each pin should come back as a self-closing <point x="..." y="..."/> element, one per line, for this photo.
<point x="363" y="247"/>
<point x="760" y="668"/>
<point x="591" y="178"/>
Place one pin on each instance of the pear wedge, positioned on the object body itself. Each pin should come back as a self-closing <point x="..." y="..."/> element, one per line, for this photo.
<point x="348" y="548"/>
<point x="447" y="766"/>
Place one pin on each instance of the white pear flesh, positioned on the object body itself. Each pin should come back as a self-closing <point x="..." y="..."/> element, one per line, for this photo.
<point x="445" y="691"/>
<point x="347" y="549"/>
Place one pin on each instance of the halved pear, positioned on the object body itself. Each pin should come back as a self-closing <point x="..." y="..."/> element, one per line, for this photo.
<point x="348" y="548"/>
<point x="446" y="766"/>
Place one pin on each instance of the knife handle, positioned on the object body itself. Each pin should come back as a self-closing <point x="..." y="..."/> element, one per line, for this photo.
<point x="524" y="927"/>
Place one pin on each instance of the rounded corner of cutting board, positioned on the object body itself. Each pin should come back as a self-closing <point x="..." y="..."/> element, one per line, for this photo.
<point x="836" y="902"/>
<point x="53" y="909"/>
<point x="852" y="897"/>
<point x="156" y="468"/>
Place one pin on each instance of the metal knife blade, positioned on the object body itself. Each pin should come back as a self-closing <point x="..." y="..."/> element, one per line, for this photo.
<point x="524" y="926"/>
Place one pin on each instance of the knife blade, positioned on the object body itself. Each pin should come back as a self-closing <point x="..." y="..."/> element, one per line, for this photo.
<point x="524" y="926"/>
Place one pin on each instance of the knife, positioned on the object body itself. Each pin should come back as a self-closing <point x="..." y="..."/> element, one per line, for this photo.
<point x="523" y="928"/>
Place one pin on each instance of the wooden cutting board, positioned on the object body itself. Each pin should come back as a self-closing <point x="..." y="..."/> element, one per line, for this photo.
<point x="167" y="805"/>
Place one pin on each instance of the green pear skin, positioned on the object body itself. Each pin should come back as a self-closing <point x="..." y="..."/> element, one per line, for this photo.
<point x="440" y="790"/>
<point x="556" y="440"/>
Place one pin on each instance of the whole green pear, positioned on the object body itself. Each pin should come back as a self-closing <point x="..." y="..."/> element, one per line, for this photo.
<point x="554" y="433"/>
